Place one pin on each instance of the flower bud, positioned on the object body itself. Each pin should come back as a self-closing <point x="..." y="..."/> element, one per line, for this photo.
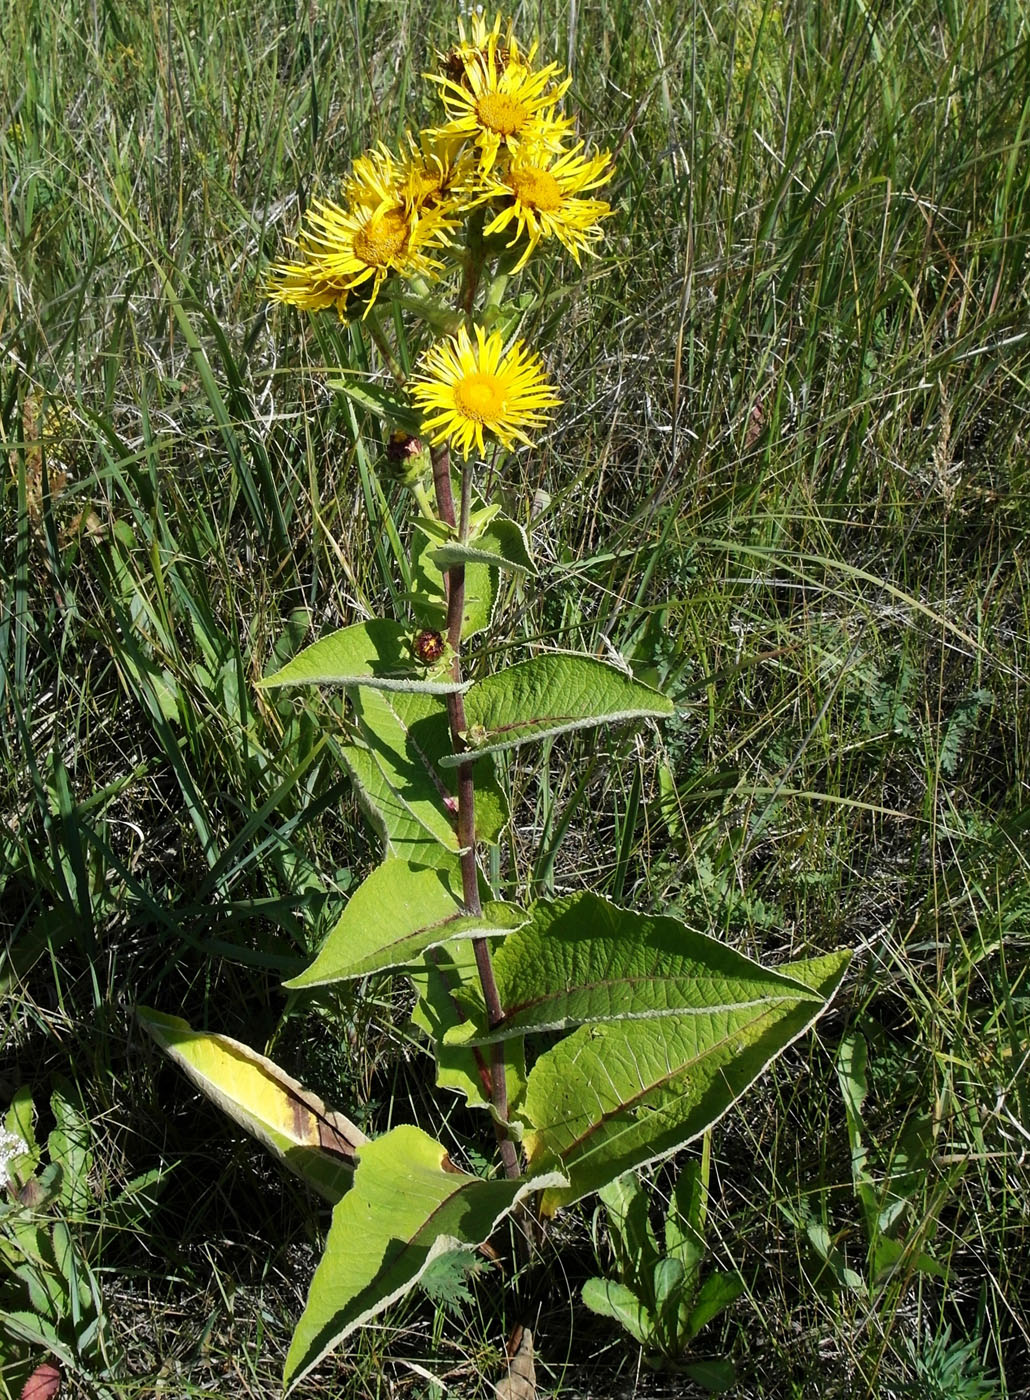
<point x="407" y="458"/>
<point x="428" y="647"/>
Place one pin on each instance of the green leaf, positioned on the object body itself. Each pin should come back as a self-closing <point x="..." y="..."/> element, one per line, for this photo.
<point x="69" y="1146"/>
<point x="67" y="1266"/>
<point x="20" y="1120"/>
<point x="715" y="1376"/>
<point x="819" y="1239"/>
<point x="852" y="1057"/>
<point x="615" y="1096"/>
<point x="402" y="834"/>
<point x="444" y="971"/>
<point x="373" y="653"/>
<point x="316" y="1143"/>
<point x="289" y="643"/>
<point x="668" y="1282"/>
<point x="398" y="912"/>
<point x="38" y="1332"/>
<point x="408" y="736"/>
<point x="428" y="598"/>
<point x="380" y="402"/>
<point x="552" y="694"/>
<point x="501" y="544"/>
<point x="482" y="588"/>
<point x="581" y="958"/>
<point x="610" y="1299"/>
<point x="445" y="1281"/>
<point x="408" y="1205"/>
<point x="716" y="1293"/>
<point x="629" y="1229"/>
<point x="684" y="1221"/>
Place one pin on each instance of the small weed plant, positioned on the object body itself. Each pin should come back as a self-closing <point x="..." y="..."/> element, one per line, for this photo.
<point x="661" y="1294"/>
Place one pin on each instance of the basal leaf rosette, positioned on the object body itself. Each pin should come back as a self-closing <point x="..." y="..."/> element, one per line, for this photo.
<point x="465" y="390"/>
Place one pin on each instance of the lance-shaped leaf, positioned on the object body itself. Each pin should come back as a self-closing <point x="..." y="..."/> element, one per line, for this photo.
<point x="409" y="737"/>
<point x="408" y="1205"/>
<point x="385" y="405"/>
<point x="616" y="1096"/>
<point x="444" y="972"/>
<point x="403" y="835"/>
<point x="583" y="959"/>
<point x="394" y="915"/>
<point x="501" y="544"/>
<point x="428" y="599"/>
<point x="316" y="1143"/>
<point x="375" y="654"/>
<point x="549" y="695"/>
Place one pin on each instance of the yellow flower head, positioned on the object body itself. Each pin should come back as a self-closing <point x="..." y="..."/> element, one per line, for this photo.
<point x="353" y="249"/>
<point x="501" y="103"/>
<point x="374" y="182"/>
<point x="434" y="173"/>
<point x="301" y="284"/>
<point x="465" y="390"/>
<point x="539" y="194"/>
<point x="475" y="47"/>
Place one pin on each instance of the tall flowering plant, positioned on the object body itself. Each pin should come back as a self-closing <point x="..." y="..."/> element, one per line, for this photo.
<point x="646" y="1030"/>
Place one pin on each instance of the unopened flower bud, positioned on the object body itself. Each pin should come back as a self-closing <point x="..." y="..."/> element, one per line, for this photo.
<point x="428" y="647"/>
<point x="407" y="457"/>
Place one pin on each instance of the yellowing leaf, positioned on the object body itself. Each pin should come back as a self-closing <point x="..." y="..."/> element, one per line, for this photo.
<point x="316" y="1143"/>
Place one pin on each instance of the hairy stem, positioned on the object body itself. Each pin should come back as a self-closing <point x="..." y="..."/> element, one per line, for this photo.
<point x="454" y="582"/>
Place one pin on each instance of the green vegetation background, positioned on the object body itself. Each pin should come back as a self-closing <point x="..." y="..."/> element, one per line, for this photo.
<point x="790" y="485"/>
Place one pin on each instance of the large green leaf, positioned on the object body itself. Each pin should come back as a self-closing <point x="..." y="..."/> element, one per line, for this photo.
<point x="402" y="833"/>
<point x="615" y="1096"/>
<point x="583" y="959"/>
<point x="409" y="737"/>
<point x="375" y="653"/>
<point x="445" y="970"/>
<point x="309" y="1138"/>
<point x="551" y="694"/>
<point x="394" y="915"/>
<point x="408" y="1205"/>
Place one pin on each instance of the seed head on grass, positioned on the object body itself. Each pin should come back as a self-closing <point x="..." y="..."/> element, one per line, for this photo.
<point x="466" y="390"/>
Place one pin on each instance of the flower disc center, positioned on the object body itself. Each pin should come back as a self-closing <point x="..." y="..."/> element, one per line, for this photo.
<point x="501" y="113"/>
<point x="480" y="397"/>
<point x="536" y="187"/>
<point x="382" y="238"/>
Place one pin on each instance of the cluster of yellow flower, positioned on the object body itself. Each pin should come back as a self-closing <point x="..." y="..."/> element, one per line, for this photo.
<point x="502" y="145"/>
<point x="503" y="149"/>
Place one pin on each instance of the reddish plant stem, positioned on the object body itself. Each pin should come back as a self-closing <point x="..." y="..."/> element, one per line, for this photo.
<point x="454" y="583"/>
